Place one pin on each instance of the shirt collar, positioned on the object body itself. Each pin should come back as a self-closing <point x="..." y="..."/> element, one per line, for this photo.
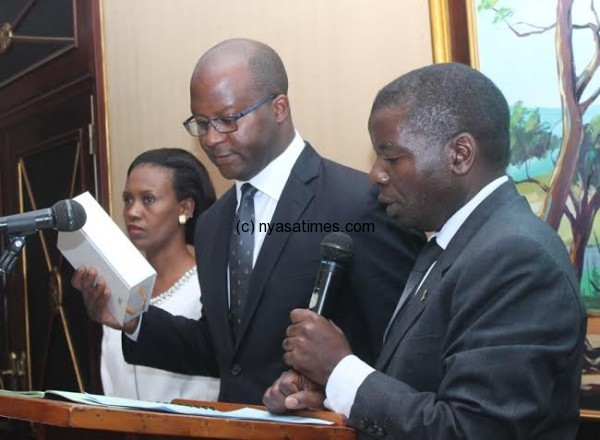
<point x="274" y="176"/>
<point x="445" y="234"/>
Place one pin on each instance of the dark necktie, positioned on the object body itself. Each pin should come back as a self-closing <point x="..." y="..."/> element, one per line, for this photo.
<point x="426" y="258"/>
<point x="241" y="253"/>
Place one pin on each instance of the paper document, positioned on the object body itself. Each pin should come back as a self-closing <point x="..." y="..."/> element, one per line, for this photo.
<point x="242" y="413"/>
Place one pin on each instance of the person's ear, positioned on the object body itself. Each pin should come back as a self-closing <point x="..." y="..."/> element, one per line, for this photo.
<point x="463" y="149"/>
<point x="186" y="207"/>
<point x="281" y="106"/>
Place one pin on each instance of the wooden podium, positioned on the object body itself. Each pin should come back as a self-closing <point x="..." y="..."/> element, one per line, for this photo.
<point x="66" y="420"/>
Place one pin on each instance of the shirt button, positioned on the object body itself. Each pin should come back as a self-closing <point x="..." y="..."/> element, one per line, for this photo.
<point x="236" y="370"/>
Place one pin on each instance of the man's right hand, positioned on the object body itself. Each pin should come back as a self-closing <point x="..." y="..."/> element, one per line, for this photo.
<point x="95" y="296"/>
<point x="293" y="391"/>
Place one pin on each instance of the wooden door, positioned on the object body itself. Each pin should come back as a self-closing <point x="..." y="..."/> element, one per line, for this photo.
<point x="52" y="160"/>
<point x="51" y="148"/>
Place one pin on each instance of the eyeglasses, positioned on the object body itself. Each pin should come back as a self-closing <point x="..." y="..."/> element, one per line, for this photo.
<point x="227" y="124"/>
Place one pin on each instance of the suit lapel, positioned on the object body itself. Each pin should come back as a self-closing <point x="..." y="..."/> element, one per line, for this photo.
<point x="296" y="196"/>
<point x="505" y="194"/>
<point x="406" y="318"/>
<point x="218" y="257"/>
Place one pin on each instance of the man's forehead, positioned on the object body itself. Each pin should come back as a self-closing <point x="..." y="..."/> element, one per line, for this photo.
<point x="389" y="117"/>
<point x="223" y="70"/>
<point x="399" y="110"/>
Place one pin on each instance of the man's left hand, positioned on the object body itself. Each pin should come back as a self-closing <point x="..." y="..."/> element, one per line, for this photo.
<point x="293" y="391"/>
<point x="314" y="345"/>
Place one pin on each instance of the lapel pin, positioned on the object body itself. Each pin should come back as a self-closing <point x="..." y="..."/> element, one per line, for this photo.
<point x="424" y="295"/>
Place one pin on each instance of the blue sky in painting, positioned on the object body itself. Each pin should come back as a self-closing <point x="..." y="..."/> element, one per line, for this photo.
<point x="531" y="76"/>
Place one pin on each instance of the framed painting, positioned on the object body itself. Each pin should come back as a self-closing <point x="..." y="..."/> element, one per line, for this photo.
<point x="544" y="55"/>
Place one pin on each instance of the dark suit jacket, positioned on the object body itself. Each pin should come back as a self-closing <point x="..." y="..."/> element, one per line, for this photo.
<point x="319" y="191"/>
<point x="491" y="345"/>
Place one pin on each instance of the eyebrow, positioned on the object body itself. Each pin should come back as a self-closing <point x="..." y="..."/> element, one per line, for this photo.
<point x="141" y="192"/>
<point x="385" y="146"/>
<point x="225" y="109"/>
<point x="206" y="118"/>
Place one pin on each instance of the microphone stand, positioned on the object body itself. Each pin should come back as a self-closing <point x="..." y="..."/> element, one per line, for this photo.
<point x="10" y="255"/>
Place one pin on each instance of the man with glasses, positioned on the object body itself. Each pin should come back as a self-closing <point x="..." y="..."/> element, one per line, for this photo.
<point x="250" y="282"/>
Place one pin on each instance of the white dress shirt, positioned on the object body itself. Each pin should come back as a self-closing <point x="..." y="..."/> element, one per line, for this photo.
<point x="269" y="183"/>
<point x="350" y="372"/>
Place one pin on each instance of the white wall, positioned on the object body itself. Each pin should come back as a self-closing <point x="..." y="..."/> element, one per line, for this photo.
<point x="338" y="53"/>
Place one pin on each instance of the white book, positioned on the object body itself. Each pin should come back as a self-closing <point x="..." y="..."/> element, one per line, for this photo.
<point x="102" y="245"/>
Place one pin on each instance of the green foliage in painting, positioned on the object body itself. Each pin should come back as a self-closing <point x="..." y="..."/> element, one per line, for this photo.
<point x="529" y="136"/>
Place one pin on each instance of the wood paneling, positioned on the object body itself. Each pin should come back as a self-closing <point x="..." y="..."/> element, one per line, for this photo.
<point x="52" y="147"/>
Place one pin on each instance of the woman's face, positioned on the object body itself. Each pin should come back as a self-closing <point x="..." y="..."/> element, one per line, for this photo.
<point x="151" y="210"/>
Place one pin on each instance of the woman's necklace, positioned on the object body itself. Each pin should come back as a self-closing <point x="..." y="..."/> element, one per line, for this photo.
<point x="159" y="299"/>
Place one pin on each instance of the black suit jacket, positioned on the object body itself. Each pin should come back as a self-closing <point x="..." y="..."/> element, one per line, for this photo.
<point x="491" y="345"/>
<point x="318" y="191"/>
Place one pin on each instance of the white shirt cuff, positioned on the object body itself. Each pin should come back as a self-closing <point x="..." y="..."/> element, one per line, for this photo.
<point x="134" y="336"/>
<point x="343" y="383"/>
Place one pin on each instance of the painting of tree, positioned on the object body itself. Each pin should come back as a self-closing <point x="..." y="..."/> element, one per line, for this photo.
<point x="569" y="193"/>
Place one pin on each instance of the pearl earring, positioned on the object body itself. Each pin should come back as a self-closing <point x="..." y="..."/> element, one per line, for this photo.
<point x="183" y="219"/>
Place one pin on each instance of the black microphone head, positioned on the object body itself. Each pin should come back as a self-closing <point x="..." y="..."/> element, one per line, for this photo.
<point x="69" y="215"/>
<point x="338" y="247"/>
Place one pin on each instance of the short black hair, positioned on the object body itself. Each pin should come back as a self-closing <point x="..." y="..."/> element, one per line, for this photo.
<point x="267" y="70"/>
<point x="190" y="179"/>
<point x="444" y="100"/>
<point x="268" y="74"/>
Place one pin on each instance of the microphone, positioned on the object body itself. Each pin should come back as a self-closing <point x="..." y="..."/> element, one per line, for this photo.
<point x="337" y="250"/>
<point x="65" y="215"/>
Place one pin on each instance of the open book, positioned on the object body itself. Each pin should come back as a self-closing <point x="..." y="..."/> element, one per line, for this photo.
<point x="118" y="402"/>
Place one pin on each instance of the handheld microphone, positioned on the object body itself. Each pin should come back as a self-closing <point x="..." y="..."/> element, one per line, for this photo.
<point x="65" y="215"/>
<point x="337" y="249"/>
